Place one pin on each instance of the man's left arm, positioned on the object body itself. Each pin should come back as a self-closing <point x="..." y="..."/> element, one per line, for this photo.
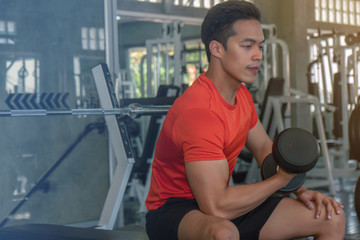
<point x="260" y="145"/>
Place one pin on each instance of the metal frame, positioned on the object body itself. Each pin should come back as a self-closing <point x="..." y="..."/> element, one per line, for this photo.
<point x="345" y="64"/>
<point x="132" y="111"/>
<point x="272" y="42"/>
<point x="159" y="17"/>
<point x="111" y="36"/>
<point x="153" y="77"/>
<point x="120" y="145"/>
<point x="112" y="59"/>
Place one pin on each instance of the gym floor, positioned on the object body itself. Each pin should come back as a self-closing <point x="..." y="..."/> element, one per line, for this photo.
<point x="344" y="193"/>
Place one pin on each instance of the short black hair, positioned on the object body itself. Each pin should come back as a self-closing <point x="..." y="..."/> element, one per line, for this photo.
<point x="218" y="22"/>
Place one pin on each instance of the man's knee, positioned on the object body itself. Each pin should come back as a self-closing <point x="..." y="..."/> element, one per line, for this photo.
<point x="335" y="226"/>
<point x="224" y="230"/>
<point x="339" y="221"/>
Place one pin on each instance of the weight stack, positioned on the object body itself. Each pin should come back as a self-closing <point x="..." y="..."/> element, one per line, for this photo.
<point x="354" y="133"/>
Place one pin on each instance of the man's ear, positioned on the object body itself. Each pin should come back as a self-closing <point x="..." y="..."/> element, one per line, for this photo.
<point x="215" y="48"/>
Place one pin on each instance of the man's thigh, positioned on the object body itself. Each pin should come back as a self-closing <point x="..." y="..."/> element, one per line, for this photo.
<point x="292" y="219"/>
<point x="199" y="226"/>
<point x="196" y="225"/>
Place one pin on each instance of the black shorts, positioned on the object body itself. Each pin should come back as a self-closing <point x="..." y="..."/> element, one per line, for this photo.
<point x="163" y="223"/>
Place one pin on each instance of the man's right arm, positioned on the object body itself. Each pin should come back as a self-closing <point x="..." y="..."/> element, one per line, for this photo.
<point x="208" y="181"/>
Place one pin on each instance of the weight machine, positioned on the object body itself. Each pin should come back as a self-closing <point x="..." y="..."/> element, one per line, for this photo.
<point x="157" y="52"/>
<point x="333" y="77"/>
<point x="275" y="107"/>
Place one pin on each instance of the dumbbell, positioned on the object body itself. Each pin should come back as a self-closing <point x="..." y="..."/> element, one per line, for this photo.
<point x="296" y="151"/>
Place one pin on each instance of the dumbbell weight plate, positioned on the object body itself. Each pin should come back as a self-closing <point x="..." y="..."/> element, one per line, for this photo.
<point x="269" y="168"/>
<point x="350" y="39"/>
<point x="296" y="150"/>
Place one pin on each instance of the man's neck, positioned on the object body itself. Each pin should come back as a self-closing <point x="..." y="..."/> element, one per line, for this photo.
<point x="224" y="83"/>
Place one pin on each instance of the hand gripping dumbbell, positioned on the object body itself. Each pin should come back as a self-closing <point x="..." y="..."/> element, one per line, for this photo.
<point x="296" y="151"/>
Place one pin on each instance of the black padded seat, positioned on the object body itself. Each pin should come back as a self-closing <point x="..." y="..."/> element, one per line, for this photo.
<point x="59" y="232"/>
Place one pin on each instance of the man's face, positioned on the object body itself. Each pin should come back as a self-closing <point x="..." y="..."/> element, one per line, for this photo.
<point x="243" y="56"/>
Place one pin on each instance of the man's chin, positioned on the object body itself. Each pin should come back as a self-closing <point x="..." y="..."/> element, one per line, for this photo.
<point x="249" y="81"/>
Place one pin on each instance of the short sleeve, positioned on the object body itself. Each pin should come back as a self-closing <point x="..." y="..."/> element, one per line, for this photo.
<point x="200" y="135"/>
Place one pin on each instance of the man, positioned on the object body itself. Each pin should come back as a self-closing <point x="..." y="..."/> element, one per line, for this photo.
<point x="203" y="133"/>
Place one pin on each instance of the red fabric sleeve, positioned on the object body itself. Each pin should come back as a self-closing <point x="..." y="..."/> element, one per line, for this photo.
<point x="200" y="135"/>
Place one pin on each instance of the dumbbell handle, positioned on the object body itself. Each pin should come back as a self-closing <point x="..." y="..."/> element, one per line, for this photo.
<point x="269" y="168"/>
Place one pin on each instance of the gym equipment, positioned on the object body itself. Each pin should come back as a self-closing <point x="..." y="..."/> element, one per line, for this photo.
<point x="354" y="133"/>
<point x="275" y="121"/>
<point x="278" y="124"/>
<point x="58" y="232"/>
<point x="296" y="151"/>
<point x="337" y="71"/>
<point x="337" y="99"/>
<point x="133" y="111"/>
<point x="141" y="174"/>
<point x="269" y="168"/>
<point x="121" y="164"/>
<point x="354" y="139"/>
<point x="119" y="141"/>
<point x="352" y="39"/>
<point x="354" y="142"/>
<point x="357" y="198"/>
<point x="275" y="88"/>
<point x="171" y="39"/>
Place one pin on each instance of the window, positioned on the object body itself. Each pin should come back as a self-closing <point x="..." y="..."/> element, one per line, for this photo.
<point x="93" y="38"/>
<point x="338" y="11"/>
<point x="199" y="3"/>
<point x="7" y="32"/>
<point x="22" y="75"/>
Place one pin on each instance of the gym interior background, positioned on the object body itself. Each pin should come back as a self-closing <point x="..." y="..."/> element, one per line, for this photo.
<point x="48" y="49"/>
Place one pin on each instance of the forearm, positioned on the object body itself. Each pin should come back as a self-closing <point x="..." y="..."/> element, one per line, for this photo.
<point x="240" y="199"/>
<point x="208" y="182"/>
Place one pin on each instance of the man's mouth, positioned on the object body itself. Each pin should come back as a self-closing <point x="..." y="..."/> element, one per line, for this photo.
<point x="254" y="69"/>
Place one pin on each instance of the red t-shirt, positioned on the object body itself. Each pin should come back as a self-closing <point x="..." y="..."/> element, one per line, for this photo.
<point x="200" y="126"/>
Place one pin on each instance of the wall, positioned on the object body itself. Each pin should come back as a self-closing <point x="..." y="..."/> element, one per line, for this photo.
<point x="290" y="16"/>
<point x="48" y="32"/>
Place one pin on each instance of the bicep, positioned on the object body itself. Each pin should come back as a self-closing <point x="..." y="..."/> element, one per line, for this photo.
<point x="258" y="142"/>
<point x="207" y="179"/>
